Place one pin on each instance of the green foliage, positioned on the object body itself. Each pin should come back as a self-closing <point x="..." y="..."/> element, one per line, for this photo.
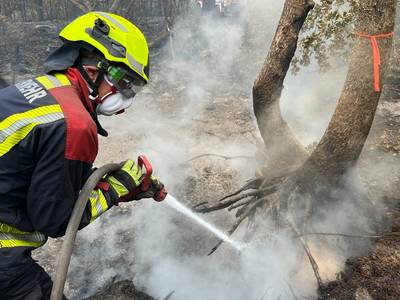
<point x="326" y="34"/>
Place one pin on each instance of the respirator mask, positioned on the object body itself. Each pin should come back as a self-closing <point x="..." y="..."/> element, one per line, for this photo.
<point x="125" y="85"/>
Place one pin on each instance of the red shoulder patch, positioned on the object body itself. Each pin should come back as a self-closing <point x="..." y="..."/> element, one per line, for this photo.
<point x="81" y="142"/>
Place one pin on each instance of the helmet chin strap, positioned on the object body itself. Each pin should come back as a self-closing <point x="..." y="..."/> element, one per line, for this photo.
<point x="94" y="86"/>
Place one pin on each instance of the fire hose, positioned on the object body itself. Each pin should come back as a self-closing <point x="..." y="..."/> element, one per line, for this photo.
<point x="76" y="217"/>
<point x="72" y="229"/>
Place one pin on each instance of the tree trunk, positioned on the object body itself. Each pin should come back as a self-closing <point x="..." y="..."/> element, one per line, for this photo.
<point x="343" y="141"/>
<point x="282" y="146"/>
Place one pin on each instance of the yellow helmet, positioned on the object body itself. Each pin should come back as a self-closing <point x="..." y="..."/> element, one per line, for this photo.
<point x="115" y="37"/>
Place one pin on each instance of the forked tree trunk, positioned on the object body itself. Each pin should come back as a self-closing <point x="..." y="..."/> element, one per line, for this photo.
<point x="282" y="146"/>
<point x="293" y="199"/>
<point x="343" y="141"/>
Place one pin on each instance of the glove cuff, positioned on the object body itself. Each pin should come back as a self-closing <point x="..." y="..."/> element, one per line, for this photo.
<point x="109" y="192"/>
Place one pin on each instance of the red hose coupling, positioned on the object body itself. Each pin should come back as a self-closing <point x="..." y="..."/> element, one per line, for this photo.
<point x="161" y="195"/>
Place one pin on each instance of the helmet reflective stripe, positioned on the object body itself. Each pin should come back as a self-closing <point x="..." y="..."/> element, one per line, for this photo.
<point x="112" y="20"/>
<point x="135" y="64"/>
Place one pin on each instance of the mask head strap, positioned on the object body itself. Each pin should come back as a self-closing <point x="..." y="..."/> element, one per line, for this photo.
<point x="94" y="86"/>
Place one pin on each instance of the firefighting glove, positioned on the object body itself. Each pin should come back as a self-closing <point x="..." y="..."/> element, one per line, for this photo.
<point x="126" y="184"/>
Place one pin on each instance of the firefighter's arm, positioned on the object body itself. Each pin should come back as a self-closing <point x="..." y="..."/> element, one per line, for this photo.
<point x="56" y="182"/>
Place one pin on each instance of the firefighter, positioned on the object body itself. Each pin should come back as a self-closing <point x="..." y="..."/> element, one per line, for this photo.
<point x="48" y="142"/>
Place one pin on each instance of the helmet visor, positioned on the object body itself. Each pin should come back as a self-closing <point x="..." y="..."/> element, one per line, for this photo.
<point x="126" y="82"/>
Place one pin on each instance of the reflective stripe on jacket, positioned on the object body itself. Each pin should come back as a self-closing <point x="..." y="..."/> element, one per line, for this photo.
<point x="12" y="237"/>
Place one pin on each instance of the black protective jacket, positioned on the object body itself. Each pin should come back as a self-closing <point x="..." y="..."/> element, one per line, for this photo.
<point x="48" y="142"/>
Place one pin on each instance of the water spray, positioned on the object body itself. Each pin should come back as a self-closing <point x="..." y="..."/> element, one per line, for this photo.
<point x="174" y="203"/>
<point x="147" y="171"/>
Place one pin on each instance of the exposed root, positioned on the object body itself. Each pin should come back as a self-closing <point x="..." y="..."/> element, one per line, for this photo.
<point x="249" y="210"/>
<point x="254" y="195"/>
<point x="226" y="204"/>
<point x="237" y="205"/>
<point x="250" y="185"/>
<point x="247" y="200"/>
<point x="257" y="187"/>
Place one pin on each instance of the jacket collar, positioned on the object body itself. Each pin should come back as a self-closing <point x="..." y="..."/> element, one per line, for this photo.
<point x="83" y="91"/>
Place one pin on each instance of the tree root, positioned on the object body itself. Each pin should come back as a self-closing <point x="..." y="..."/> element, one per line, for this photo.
<point x="246" y="200"/>
<point x="251" y="194"/>
<point x="226" y="204"/>
<point x="255" y="194"/>
<point x="234" y="206"/>
<point x="258" y="183"/>
<point x="251" y="184"/>
<point x="260" y="192"/>
<point x="249" y="210"/>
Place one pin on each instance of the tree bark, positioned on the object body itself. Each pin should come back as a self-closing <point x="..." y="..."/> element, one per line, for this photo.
<point x="282" y="146"/>
<point x="343" y="141"/>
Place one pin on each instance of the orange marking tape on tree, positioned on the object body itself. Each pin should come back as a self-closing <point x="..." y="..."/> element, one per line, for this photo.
<point x="376" y="55"/>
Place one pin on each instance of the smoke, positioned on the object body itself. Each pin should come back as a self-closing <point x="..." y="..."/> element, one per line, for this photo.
<point x="309" y="100"/>
<point x="199" y="102"/>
